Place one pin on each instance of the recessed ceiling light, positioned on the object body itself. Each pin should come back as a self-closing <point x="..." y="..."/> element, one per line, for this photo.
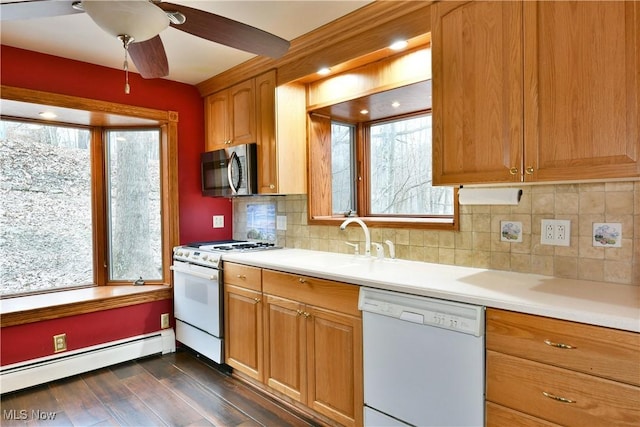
<point x="398" y="45"/>
<point x="364" y="111"/>
<point x="395" y="104"/>
<point x="48" y="115"/>
<point x="324" y="71"/>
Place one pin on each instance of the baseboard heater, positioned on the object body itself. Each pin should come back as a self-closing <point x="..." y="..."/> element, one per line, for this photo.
<point x="42" y="370"/>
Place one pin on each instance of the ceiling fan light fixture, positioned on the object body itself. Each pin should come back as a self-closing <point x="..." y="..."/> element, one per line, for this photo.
<point x="139" y="19"/>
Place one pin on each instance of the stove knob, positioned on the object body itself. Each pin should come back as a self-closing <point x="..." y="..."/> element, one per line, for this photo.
<point x="205" y="257"/>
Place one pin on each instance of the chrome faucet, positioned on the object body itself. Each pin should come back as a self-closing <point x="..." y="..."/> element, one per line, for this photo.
<point x="367" y="236"/>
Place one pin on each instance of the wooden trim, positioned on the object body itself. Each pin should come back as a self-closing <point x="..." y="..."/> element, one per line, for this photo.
<point x="77" y="103"/>
<point x="319" y="164"/>
<point x="389" y="222"/>
<point x="373" y="26"/>
<point x="64" y="303"/>
<point x="166" y="120"/>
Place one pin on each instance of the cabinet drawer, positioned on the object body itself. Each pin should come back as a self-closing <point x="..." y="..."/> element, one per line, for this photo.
<point x="310" y="290"/>
<point x="500" y="416"/>
<point x="521" y="384"/>
<point x="242" y="275"/>
<point x="605" y="352"/>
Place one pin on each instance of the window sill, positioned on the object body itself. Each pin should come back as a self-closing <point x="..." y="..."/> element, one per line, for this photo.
<point x="52" y="305"/>
<point x="382" y="222"/>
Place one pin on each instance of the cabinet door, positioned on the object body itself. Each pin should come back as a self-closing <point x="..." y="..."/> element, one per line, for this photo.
<point x="216" y="109"/>
<point x="243" y="330"/>
<point x="477" y="92"/>
<point x="582" y="62"/>
<point x="334" y="366"/>
<point x="284" y="354"/>
<point x="266" y="133"/>
<point x="242" y="124"/>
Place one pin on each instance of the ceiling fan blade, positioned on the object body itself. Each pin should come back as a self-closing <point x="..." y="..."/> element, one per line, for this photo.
<point x="21" y="10"/>
<point x="228" y="32"/>
<point x="150" y="58"/>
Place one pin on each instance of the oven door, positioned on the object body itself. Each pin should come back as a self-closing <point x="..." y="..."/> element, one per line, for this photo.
<point x="197" y="297"/>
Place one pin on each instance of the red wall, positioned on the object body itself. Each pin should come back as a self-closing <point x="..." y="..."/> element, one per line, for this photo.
<point x="32" y="70"/>
<point x="34" y="340"/>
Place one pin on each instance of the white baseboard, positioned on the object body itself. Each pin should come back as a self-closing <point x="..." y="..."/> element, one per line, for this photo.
<point x="42" y="370"/>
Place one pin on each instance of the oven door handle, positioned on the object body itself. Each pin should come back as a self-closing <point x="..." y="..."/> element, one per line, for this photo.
<point x="179" y="269"/>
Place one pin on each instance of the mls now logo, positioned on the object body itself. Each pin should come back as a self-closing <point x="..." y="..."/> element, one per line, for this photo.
<point x="23" y="414"/>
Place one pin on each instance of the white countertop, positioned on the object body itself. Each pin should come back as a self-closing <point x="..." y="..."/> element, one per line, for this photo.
<point x="596" y="303"/>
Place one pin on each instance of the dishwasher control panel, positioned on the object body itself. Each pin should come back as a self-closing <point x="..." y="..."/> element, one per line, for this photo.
<point x="455" y="316"/>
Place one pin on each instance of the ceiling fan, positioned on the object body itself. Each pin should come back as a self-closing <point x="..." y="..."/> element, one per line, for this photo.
<point x="138" y="23"/>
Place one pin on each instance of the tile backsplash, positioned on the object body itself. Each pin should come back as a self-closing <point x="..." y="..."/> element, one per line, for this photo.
<point x="478" y="242"/>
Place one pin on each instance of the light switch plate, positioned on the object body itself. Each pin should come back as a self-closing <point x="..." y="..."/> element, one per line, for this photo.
<point x="218" y="221"/>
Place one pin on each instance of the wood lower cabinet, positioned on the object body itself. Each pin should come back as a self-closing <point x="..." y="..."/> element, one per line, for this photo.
<point x="521" y="92"/>
<point x="542" y="371"/>
<point x="299" y="336"/>
<point x="313" y="344"/>
<point x="243" y="319"/>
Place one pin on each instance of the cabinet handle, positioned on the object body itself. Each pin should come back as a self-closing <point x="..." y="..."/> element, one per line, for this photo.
<point x="559" y="345"/>
<point x="301" y="280"/>
<point x="513" y="171"/>
<point x="529" y="170"/>
<point x="257" y="300"/>
<point x="305" y="314"/>
<point x="242" y="276"/>
<point x="272" y="186"/>
<point x="558" y="398"/>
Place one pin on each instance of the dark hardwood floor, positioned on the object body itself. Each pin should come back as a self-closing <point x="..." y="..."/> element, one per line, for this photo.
<point x="176" y="389"/>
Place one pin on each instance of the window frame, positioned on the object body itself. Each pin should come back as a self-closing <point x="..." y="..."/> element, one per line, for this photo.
<point x="319" y="207"/>
<point x="101" y="114"/>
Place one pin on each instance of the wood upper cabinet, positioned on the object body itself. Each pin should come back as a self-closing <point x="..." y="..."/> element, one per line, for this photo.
<point x="243" y="319"/>
<point x="230" y="116"/>
<point x="273" y="117"/>
<point x="282" y="138"/>
<point x="582" y="90"/>
<point x="477" y="91"/>
<point x="535" y="91"/>
<point x="313" y="344"/>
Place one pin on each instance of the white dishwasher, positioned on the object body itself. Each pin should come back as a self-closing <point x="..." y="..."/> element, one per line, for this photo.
<point x="423" y="360"/>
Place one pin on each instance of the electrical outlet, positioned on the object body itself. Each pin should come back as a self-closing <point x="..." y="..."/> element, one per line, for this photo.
<point x="59" y="343"/>
<point x="281" y="222"/>
<point x="555" y="232"/>
<point x="218" y="221"/>
<point x="164" y="320"/>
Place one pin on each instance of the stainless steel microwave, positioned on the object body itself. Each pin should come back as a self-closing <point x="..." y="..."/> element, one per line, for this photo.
<point x="230" y="171"/>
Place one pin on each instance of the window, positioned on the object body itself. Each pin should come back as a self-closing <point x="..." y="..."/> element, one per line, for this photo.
<point x="343" y="188"/>
<point x="81" y="206"/>
<point x="133" y="194"/>
<point x="400" y="170"/>
<point x="380" y="170"/>
<point x="46" y="238"/>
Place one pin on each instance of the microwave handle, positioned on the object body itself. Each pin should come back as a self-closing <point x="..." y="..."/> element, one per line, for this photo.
<point x="233" y="158"/>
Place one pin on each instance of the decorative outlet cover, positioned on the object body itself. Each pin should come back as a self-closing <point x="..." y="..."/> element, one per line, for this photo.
<point x="607" y="234"/>
<point x="511" y="231"/>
